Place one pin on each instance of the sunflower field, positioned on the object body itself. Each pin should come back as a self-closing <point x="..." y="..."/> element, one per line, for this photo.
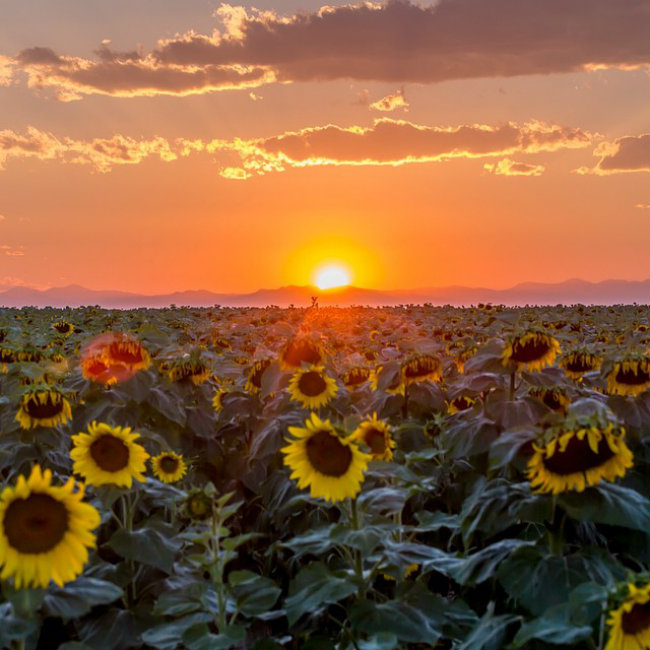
<point x="325" y="479"/>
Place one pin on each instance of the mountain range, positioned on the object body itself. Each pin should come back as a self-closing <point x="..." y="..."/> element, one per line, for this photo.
<point x="573" y="291"/>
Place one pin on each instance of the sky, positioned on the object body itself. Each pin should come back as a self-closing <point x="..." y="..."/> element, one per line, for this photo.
<point x="157" y="145"/>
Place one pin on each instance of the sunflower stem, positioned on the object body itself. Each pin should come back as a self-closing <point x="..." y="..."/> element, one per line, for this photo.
<point x="358" y="559"/>
<point x="405" y="406"/>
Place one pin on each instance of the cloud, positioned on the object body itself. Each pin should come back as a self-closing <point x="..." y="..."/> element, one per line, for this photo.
<point x="391" y="102"/>
<point x="395" y="41"/>
<point x="630" y="153"/>
<point x="100" y="153"/>
<point x="642" y="206"/>
<point x="6" y="71"/>
<point x="508" y="167"/>
<point x="11" y="251"/>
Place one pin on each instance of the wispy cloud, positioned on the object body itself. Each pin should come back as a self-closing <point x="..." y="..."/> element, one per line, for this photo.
<point x="391" y="102"/>
<point x="508" y="167"/>
<point x="630" y="153"/>
<point x="395" y="41"/>
<point x="12" y="251"/>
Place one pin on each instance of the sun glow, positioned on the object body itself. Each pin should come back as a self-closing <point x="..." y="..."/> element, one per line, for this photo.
<point x="331" y="276"/>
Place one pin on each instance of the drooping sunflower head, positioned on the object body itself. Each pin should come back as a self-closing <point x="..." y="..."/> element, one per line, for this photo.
<point x="460" y="403"/>
<point x="555" y="397"/>
<point x="221" y="344"/>
<point x="463" y="355"/>
<point x="108" y="455"/>
<point x="355" y="377"/>
<point x="629" y="375"/>
<point x="255" y="374"/>
<point x="189" y="367"/>
<point x="578" y="362"/>
<point x="63" y="327"/>
<point x="579" y="452"/>
<point x="395" y="386"/>
<point x="320" y="458"/>
<point x="629" y="619"/>
<point x="532" y="351"/>
<point x="45" y="531"/>
<point x="312" y="387"/>
<point x="217" y="398"/>
<point x="198" y="505"/>
<point x="375" y="434"/>
<point x="168" y="467"/>
<point x="7" y="356"/>
<point x="113" y="357"/>
<point x="421" y="367"/>
<point x="299" y="351"/>
<point x="126" y="350"/>
<point x="43" y="405"/>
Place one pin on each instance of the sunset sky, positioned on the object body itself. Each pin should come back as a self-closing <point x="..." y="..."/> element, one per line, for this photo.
<point x="161" y="145"/>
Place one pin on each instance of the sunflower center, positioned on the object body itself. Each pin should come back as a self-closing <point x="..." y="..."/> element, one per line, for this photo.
<point x="529" y="350"/>
<point x="168" y="464"/>
<point x="35" y="524"/>
<point x="462" y="403"/>
<point x="110" y="453"/>
<point x="632" y="377"/>
<point x="327" y="454"/>
<point x="419" y="368"/>
<point x="301" y="352"/>
<point x="311" y="384"/>
<point x="637" y="619"/>
<point x="47" y="409"/>
<point x="356" y="377"/>
<point x="579" y="364"/>
<point x="376" y="440"/>
<point x="578" y="457"/>
<point x="62" y="327"/>
<point x="552" y="401"/>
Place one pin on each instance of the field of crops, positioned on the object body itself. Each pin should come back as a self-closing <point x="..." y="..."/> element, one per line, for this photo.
<point x="314" y="479"/>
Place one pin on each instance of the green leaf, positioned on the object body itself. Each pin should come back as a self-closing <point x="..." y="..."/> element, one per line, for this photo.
<point x="166" y="636"/>
<point x="193" y="597"/>
<point x="254" y="594"/>
<point x="382" y="641"/>
<point x="79" y="597"/>
<point x="608" y="503"/>
<point x="113" y="629"/>
<point x="554" y="627"/>
<point x="199" y="637"/>
<point x="147" y="546"/>
<point x="314" y="587"/>
<point x="489" y="631"/>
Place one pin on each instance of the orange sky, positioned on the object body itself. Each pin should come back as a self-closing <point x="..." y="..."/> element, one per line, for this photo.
<point x="216" y="147"/>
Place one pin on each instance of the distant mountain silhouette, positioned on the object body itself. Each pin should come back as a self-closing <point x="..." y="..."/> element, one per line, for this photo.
<point x="573" y="291"/>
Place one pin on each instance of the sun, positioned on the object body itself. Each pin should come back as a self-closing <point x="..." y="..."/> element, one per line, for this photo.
<point x="331" y="276"/>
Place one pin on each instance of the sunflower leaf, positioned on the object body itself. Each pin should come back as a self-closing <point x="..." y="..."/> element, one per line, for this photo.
<point x="79" y="597"/>
<point x="147" y="545"/>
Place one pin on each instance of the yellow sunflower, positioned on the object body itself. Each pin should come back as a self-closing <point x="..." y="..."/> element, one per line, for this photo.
<point x="375" y="434"/>
<point x="63" y="327"/>
<point x="396" y="387"/>
<point x="7" y="355"/>
<point x="217" y="399"/>
<point x="168" y="467"/>
<point x="188" y="367"/>
<point x="531" y="351"/>
<point x="554" y="397"/>
<point x="198" y="505"/>
<point x="356" y="377"/>
<point x="43" y="405"/>
<point x="460" y="403"/>
<point x="630" y="623"/>
<point x="629" y="376"/>
<point x="421" y="367"/>
<point x="577" y="454"/>
<point x="331" y="466"/>
<point x="578" y="362"/>
<point x="108" y="455"/>
<point x="124" y="349"/>
<point x="312" y="387"/>
<point x="254" y="380"/>
<point x="299" y="351"/>
<point x="45" y="531"/>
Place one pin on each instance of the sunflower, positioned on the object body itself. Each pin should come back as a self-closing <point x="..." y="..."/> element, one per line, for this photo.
<point x="578" y="362"/>
<point x="217" y="399"/>
<point x="43" y="405"/>
<point x="108" y="455"/>
<point x="460" y="403"/>
<point x="113" y="357"/>
<point x="299" y="351"/>
<point x="630" y="623"/>
<point x="531" y="351"/>
<point x="375" y="434"/>
<point x="554" y="397"/>
<point x="188" y="367"/>
<point x="45" y="531"/>
<point x="63" y="327"/>
<point x="254" y="379"/>
<point x="629" y="376"/>
<point x="221" y="344"/>
<point x="198" y="505"/>
<point x="312" y="387"/>
<point x="126" y="350"/>
<point x="7" y="355"/>
<point x="396" y="387"/>
<point x="331" y="466"/>
<point x="577" y="454"/>
<point x="168" y="467"/>
<point x="421" y="367"/>
<point x="356" y="377"/>
<point x="463" y="356"/>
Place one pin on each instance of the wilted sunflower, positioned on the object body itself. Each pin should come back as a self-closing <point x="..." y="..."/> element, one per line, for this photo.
<point x="221" y="344"/>
<point x="312" y="387"/>
<point x="356" y="377"/>
<point x="45" y="531"/>
<point x="629" y="376"/>
<point x="217" y="399"/>
<point x="43" y="405"/>
<point x="63" y="327"/>
<point x="554" y="397"/>
<point x="577" y="454"/>
<point x="578" y="362"/>
<point x="331" y="466"/>
<point x="188" y="367"/>
<point x="168" y="467"/>
<point x="108" y="455"/>
<point x="254" y="380"/>
<point x="375" y="434"/>
<point x="7" y="355"/>
<point x="531" y="351"/>
<point x="421" y="367"/>
<point x="460" y="403"/>
<point x="126" y="350"/>
<point x="299" y="351"/>
<point x="630" y="622"/>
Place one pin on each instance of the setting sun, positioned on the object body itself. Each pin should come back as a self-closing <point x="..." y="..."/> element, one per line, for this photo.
<point x="332" y="276"/>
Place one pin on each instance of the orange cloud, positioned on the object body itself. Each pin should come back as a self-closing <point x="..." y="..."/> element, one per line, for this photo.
<point x="397" y="41"/>
<point x="391" y="102"/>
<point x="630" y="153"/>
<point x="508" y="167"/>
